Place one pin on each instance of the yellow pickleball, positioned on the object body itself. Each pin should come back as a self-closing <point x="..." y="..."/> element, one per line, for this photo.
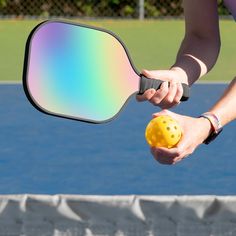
<point x="163" y="131"/>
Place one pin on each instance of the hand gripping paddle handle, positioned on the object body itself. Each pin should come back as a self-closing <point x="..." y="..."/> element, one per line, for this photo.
<point x="146" y="84"/>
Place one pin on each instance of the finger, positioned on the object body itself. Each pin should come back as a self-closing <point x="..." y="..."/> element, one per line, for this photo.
<point x="167" y="102"/>
<point x="178" y="159"/>
<point x="179" y="93"/>
<point x="156" y="74"/>
<point x="186" y="149"/>
<point x="172" y="92"/>
<point x="164" y="160"/>
<point x="166" y="152"/>
<point x="147" y="95"/>
<point x="176" y="101"/>
<point x="161" y="159"/>
<point x="160" y="94"/>
<point x="147" y="73"/>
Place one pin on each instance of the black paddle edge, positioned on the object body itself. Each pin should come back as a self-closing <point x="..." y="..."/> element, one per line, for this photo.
<point x="26" y="64"/>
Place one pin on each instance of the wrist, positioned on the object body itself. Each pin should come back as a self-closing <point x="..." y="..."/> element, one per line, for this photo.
<point x="181" y="74"/>
<point x="206" y="126"/>
<point x="214" y="120"/>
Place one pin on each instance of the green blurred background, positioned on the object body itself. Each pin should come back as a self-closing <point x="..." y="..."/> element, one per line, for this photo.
<point x="152" y="44"/>
<point x="152" y="30"/>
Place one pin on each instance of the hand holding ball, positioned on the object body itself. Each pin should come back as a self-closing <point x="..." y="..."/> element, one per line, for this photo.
<point x="163" y="131"/>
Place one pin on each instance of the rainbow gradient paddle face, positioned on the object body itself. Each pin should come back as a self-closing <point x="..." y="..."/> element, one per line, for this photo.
<point x="78" y="72"/>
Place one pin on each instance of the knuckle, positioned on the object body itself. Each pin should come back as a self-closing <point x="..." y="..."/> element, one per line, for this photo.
<point x="169" y="99"/>
<point x="155" y="103"/>
<point x="155" y="100"/>
<point x="148" y="94"/>
<point x="176" y="100"/>
<point x="164" y="90"/>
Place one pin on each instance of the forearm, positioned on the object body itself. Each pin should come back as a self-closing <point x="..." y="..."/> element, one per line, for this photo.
<point x="196" y="57"/>
<point x="225" y="107"/>
<point x="200" y="47"/>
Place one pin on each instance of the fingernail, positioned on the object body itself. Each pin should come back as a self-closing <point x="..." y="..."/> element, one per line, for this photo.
<point x="162" y="85"/>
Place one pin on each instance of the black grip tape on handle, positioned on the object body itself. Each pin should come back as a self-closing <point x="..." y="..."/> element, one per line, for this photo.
<point x="146" y="84"/>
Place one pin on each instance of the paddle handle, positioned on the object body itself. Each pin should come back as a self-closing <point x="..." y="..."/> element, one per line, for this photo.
<point x="146" y="84"/>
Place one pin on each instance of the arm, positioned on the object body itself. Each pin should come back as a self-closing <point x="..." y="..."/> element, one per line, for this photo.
<point x="197" y="54"/>
<point x="225" y="107"/>
<point x="200" y="47"/>
<point x="196" y="130"/>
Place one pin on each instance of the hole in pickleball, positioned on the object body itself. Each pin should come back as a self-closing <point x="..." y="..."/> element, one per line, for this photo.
<point x="164" y="122"/>
<point x="168" y="128"/>
<point x="172" y="136"/>
<point x="175" y="127"/>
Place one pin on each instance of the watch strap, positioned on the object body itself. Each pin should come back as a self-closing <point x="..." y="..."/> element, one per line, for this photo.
<point x="215" y="124"/>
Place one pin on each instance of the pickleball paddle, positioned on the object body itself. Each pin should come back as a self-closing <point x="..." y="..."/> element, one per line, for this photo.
<point x="80" y="72"/>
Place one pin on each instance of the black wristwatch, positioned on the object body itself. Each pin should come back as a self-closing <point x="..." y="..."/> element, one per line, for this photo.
<point x="215" y="124"/>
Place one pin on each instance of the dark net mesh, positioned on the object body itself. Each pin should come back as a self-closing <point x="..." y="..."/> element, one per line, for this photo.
<point x="94" y="8"/>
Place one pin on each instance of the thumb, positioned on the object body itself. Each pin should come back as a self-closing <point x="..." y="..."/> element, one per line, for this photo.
<point x="157" y="74"/>
<point x="147" y="73"/>
<point x="162" y="112"/>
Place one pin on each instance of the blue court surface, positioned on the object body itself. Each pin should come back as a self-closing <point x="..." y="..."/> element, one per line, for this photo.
<point x="42" y="154"/>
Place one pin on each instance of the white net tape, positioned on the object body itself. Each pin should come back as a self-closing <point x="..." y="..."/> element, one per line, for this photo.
<point x="75" y="215"/>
